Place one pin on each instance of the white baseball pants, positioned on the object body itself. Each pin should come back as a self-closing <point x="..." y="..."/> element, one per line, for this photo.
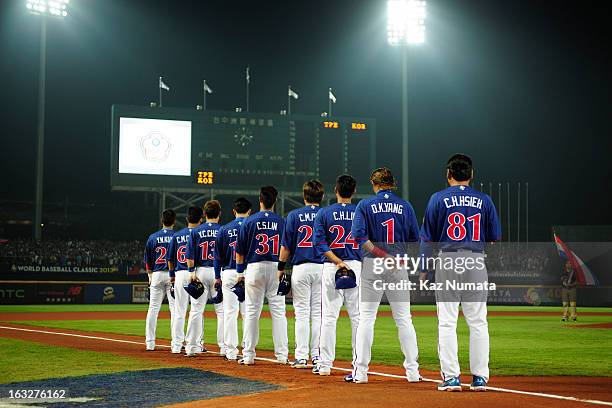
<point x="474" y="307"/>
<point x="195" y="325"/>
<point x="306" y="289"/>
<point x="370" y="297"/>
<point x="331" y="303"/>
<point x="181" y="303"/>
<point x="160" y="287"/>
<point x="261" y="281"/>
<point x="231" y="307"/>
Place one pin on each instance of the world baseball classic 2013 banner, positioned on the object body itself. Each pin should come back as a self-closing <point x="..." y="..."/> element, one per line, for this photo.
<point x="15" y="267"/>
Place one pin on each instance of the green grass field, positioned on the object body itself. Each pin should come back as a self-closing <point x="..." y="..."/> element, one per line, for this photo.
<point x="520" y="345"/>
<point x="21" y="361"/>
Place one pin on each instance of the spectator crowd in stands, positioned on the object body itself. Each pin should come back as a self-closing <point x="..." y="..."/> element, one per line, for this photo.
<point x="72" y="253"/>
<point x="519" y="257"/>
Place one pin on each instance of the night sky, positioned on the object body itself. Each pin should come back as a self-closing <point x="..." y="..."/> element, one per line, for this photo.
<point x="521" y="86"/>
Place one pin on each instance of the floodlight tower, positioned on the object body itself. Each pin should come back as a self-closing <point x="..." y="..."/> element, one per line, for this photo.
<point x="44" y="9"/>
<point x="405" y="27"/>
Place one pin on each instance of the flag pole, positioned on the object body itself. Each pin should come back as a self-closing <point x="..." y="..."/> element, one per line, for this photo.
<point x="204" y="91"/>
<point x="289" y="100"/>
<point x="526" y="211"/>
<point x="160" y="91"/>
<point x="518" y="214"/>
<point x="500" y="202"/>
<point x="248" y="83"/>
<point x="508" y="209"/>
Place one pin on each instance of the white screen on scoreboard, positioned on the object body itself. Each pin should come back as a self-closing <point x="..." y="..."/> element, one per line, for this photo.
<point x="154" y="146"/>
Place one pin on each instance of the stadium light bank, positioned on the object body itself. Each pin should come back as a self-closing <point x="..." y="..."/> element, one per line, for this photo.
<point x="44" y="9"/>
<point x="405" y="27"/>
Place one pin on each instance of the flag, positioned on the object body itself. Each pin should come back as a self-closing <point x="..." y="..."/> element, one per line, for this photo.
<point x="331" y="96"/>
<point x="207" y="88"/>
<point x="293" y="93"/>
<point x="162" y="85"/>
<point x="584" y="276"/>
<point x="248" y="75"/>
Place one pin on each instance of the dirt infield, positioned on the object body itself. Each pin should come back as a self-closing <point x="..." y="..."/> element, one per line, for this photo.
<point x="123" y="315"/>
<point x="302" y="389"/>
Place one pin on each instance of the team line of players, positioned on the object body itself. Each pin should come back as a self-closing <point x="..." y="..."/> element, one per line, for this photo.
<point x="255" y="249"/>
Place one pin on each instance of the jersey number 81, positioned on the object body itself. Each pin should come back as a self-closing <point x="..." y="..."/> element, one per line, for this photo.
<point x="457" y="230"/>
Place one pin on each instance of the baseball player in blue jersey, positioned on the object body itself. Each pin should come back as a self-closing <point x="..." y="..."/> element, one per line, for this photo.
<point x="156" y="262"/>
<point x="458" y="222"/>
<point x="297" y="244"/>
<point x="334" y="241"/>
<point x="383" y="225"/>
<point x="180" y="275"/>
<point x="257" y="250"/>
<point x="200" y="257"/>
<point x="225" y="269"/>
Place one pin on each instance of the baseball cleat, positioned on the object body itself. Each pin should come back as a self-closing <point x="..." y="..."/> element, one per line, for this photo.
<point x="282" y="361"/>
<point x="315" y="360"/>
<point x="150" y="348"/>
<point x="244" y="361"/>
<point x="415" y="380"/>
<point x="318" y="370"/>
<point x="175" y="351"/>
<point x="324" y="371"/>
<point x="574" y="319"/>
<point x="301" y="363"/>
<point x="452" y="384"/>
<point x="348" y="378"/>
<point x="564" y="319"/>
<point x="478" y="384"/>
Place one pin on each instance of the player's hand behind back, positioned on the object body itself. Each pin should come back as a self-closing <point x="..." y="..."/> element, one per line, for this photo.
<point x="342" y="265"/>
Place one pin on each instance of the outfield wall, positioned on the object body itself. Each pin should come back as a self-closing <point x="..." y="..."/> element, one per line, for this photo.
<point x="71" y="292"/>
<point x="115" y="292"/>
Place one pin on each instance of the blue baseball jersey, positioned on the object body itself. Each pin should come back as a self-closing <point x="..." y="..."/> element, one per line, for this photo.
<point x="333" y="226"/>
<point x="259" y="237"/>
<point x="177" y="251"/>
<point x="460" y="217"/>
<point x="156" y="250"/>
<point x="299" y="233"/>
<point x="387" y="221"/>
<point x="201" y="244"/>
<point x="225" y="246"/>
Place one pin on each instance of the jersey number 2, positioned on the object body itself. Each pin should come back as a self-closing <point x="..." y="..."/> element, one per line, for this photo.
<point x="305" y="242"/>
<point x="161" y="259"/>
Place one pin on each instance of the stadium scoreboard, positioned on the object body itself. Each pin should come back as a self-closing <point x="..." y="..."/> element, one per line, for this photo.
<point x="187" y="150"/>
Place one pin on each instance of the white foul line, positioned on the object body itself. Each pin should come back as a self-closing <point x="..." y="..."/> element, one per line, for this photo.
<point x="506" y="390"/>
